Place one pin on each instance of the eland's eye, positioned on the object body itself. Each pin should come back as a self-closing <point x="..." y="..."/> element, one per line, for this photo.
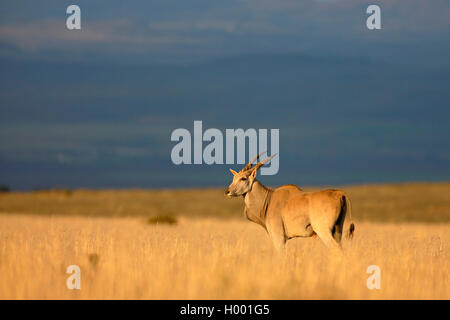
<point x="243" y="179"/>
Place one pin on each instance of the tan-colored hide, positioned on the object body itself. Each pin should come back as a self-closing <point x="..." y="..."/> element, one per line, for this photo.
<point x="288" y="212"/>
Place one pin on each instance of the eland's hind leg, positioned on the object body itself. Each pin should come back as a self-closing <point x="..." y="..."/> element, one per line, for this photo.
<point x="339" y="225"/>
<point x="326" y="236"/>
<point x="337" y="233"/>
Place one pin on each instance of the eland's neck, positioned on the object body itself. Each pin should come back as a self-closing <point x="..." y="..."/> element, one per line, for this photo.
<point x="256" y="203"/>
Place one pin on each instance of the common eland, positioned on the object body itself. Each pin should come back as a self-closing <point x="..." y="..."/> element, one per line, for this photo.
<point x="288" y="212"/>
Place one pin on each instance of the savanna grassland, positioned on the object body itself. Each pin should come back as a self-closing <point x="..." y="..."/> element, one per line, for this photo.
<point x="196" y="244"/>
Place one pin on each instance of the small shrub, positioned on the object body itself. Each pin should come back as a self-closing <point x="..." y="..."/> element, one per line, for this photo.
<point x="162" y="218"/>
<point x="4" y="188"/>
<point x="67" y="192"/>
<point x="93" y="259"/>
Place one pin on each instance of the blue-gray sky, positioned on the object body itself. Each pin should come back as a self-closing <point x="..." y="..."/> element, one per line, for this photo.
<point x="414" y="31"/>
<point x="95" y="108"/>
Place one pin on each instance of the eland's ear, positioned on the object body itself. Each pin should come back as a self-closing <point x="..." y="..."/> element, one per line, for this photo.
<point x="253" y="174"/>
<point x="233" y="172"/>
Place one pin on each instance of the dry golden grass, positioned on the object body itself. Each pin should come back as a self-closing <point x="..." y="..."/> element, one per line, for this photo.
<point x="207" y="258"/>
<point x="414" y="202"/>
<point x="126" y="251"/>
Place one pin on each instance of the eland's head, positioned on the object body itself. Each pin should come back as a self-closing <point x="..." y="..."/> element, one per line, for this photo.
<point x="243" y="180"/>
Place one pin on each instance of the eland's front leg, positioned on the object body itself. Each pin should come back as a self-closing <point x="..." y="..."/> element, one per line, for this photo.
<point x="275" y="229"/>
